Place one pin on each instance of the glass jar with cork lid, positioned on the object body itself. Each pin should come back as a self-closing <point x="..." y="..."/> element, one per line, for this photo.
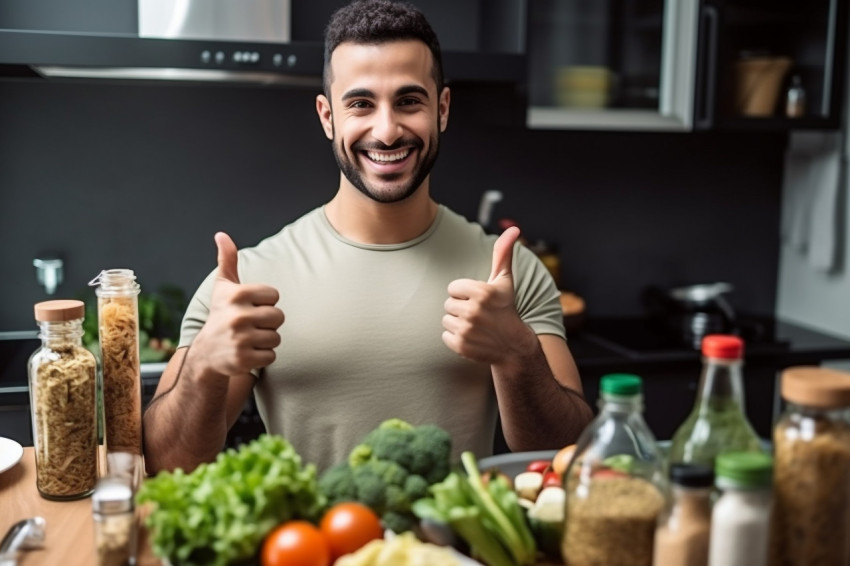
<point x="63" y="401"/>
<point x="811" y="522"/>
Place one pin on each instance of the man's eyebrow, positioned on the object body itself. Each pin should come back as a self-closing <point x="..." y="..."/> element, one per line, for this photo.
<point x="412" y="89"/>
<point x="366" y="93"/>
<point x="358" y="93"/>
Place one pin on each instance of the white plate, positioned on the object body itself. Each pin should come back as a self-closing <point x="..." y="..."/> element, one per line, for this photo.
<point x="10" y="453"/>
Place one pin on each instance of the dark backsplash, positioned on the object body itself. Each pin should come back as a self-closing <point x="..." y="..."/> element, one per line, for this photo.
<point x="142" y="175"/>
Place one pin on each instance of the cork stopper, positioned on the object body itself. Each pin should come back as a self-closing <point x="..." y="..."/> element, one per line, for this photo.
<point x="59" y="310"/>
<point x="814" y="386"/>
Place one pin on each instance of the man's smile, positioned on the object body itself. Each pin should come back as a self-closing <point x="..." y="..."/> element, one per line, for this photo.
<point x="386" y="156"/>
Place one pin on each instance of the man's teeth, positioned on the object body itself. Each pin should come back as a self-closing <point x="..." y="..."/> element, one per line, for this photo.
<point x="387" y="157"/>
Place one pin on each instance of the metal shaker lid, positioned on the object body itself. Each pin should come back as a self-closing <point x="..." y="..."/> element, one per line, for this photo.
<point x="112" y="495"/>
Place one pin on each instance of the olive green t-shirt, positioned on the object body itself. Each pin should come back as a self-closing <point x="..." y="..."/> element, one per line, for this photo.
<point x="362" y="338"/>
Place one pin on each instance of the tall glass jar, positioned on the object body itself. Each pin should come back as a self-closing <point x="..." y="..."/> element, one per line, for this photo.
<point x="811" y="523"/>
<point x="118" y="329"/>
<point x="717" y="422"/>
<point x="63" y="401"/>
<point x="615" y="484"/>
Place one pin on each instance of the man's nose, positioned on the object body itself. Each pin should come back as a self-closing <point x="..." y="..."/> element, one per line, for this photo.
<point x="387" y="127"/>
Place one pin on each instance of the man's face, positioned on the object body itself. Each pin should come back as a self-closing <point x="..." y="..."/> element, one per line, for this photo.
<point x="384" y="116"/>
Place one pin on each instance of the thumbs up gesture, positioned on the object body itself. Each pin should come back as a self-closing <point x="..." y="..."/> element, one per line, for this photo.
<point x="481" y="322"/>
<point x="240" y="333"/>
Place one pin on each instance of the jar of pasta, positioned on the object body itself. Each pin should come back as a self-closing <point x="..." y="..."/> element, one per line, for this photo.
<point x="63" y="401"/>
<point x="118" y="330"/>
<point x="811" y="522"/>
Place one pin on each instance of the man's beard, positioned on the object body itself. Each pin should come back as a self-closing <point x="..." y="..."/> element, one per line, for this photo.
<point x="402" y="191"/>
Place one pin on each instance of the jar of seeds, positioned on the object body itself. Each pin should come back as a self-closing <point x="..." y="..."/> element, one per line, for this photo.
<point x="63" y="401"/>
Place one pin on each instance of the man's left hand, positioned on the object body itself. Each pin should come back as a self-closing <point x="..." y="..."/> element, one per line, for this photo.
<point x="481" y="322"/>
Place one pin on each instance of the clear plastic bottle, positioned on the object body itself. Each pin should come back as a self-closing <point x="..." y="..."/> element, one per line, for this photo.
<point x="717" y="422"/>
<point x="118" y="329"/>
<point x="683" y="532"/>
<point x="63" y="400"/>
<point x="740" y="520"/>
<point x="615" y="484"/>
<point x="811" y="439"/>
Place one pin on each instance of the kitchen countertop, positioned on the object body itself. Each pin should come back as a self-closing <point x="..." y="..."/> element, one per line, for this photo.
<point x="70" y="528"/>
<point x="596" y="345"/>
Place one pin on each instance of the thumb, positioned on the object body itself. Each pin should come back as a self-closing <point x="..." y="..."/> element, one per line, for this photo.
<point x="503" y="252"/>
<point x="227" y="257"/>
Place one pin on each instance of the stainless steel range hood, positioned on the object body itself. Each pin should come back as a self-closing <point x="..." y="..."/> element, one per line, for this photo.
<point x="246" y="41"/>
<point x="180" y="40"/>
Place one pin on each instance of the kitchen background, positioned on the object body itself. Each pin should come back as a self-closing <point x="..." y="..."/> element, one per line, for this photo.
<point x="106" y="174"/>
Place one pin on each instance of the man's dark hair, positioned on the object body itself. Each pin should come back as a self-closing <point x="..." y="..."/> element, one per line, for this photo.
<point x="373" y="22"/>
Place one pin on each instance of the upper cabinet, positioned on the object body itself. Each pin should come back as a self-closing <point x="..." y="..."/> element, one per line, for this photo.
<point x="771" y="64"/>
<point x="684" y="65"/>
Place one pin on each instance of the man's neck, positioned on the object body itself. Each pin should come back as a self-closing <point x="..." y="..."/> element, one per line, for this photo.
<point x="364" y="220"/>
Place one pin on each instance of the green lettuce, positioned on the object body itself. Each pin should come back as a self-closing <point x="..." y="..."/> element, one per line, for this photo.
<point x="220" y="513"/>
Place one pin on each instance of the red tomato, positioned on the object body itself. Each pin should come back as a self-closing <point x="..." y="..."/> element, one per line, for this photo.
<point x="539" y="466"/>
<point x="295" y="543"/>
<point x="348" y="526"/>
<point x="552" y="478"/>
<point x="604" y="473"/>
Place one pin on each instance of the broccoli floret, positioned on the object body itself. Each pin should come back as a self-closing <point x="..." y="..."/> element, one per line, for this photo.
<point x="337" y="484"/>
<point x="390" y="441"/>
<point x="390" y="469"/>
<point x="398" y="522"/>
<point x="416" y="487"/>
<point x="431" y="448"/>
<point x="360" y="454"/>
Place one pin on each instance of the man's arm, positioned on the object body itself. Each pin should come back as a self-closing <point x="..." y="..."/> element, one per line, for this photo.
<point x="184" y="424"/>
<point x="205" y="386"/>
<point x="540" y="395"/>
<point x="535" y="377"/>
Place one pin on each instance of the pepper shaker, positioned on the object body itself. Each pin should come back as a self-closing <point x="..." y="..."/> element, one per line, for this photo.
<point x="114" y="522"/>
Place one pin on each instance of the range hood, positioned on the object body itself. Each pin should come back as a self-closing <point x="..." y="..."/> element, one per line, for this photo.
<point x="181" y="40"/>
<point x="247" y="41"/>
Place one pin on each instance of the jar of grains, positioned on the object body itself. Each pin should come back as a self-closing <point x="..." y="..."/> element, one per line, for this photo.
<point x="63" y="401"/>
<point x="811" y="522"/>
<point x="615" y="484"/>
<point x="118" y="329"/>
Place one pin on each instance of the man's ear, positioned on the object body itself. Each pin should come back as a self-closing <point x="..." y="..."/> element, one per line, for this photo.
<point x="323" y="108"/>
<point x="445" y="99"/>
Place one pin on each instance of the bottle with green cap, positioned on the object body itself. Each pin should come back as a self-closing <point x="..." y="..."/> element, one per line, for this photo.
<point x="615" y="484"/>
<point x="740" y="520"/>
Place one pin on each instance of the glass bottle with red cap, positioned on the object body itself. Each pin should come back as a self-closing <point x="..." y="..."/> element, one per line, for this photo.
<point x="717" y="422"/>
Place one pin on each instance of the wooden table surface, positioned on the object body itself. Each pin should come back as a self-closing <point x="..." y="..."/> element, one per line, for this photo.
<point x="69" y="531"/>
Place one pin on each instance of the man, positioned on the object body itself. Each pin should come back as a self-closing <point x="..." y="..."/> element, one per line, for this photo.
<point x="365" y="282"/>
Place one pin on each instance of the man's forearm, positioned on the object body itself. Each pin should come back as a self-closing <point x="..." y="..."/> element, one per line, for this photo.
<point x="186" y="424"/>
<point x="537" y="411"/>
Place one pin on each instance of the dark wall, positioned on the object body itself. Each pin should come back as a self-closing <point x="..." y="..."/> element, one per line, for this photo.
<point x="141" y="176"/>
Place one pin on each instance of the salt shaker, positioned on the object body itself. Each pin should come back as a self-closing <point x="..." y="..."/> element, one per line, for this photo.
<point x="114" y="522"/>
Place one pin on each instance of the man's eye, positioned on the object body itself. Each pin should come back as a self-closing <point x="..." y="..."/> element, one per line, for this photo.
<point x="408" y="101"/>
<point x="359" y="104"/>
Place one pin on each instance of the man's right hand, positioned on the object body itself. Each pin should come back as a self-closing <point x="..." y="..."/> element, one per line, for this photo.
<point x="240" y="333"/>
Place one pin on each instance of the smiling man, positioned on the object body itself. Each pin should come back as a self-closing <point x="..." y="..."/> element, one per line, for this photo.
<point x="379" y="304"/>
